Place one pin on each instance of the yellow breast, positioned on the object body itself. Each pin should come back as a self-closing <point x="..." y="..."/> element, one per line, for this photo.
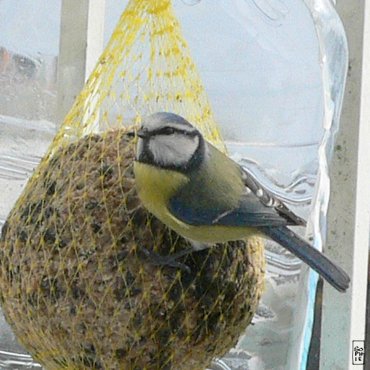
<point x="156" y="187"/>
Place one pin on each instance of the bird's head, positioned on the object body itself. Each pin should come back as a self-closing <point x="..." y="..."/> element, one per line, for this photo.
<point x="169" y="141"/>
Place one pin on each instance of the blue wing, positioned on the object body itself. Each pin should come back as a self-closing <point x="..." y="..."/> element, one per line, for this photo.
<point x="234" y="199"/>
<point x="250" y="212"/>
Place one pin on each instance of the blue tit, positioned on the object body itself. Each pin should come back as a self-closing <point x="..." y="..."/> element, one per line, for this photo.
<point x="206" y="197"/>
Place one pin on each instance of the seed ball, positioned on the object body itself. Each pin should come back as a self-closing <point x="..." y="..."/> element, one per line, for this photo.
<point x="81" y="278"/>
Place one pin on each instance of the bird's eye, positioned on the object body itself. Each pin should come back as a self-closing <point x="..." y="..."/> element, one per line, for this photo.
<point x="169" y="131"/>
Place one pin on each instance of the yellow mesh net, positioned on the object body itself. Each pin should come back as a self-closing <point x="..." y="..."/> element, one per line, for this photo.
<point x="145" y="68"/>
<point x="77" y="281"/>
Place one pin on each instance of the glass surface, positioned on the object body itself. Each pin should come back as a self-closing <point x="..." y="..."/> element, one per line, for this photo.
<point x="29" y="42"/>
<point x="274" y="72"/>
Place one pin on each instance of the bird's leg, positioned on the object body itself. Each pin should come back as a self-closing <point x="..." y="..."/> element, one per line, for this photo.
<point x="170" y="260"/>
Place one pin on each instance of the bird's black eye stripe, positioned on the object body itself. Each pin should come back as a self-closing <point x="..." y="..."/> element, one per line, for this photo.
<point x="172" y="130"/>
<point x="167" y="131"/>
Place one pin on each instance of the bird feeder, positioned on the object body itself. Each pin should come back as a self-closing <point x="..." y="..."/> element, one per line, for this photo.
<point x="264" y="81"/>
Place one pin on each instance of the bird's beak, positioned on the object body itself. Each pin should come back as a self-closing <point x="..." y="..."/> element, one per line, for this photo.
<point x="142" y="133"/>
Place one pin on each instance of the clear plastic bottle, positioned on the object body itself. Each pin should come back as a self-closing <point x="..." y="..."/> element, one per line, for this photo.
<point x="274" y="71"/>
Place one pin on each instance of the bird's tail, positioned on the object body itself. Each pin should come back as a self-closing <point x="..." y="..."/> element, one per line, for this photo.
<point x="332" y="273"/>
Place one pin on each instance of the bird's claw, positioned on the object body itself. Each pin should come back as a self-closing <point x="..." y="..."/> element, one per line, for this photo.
<point x="170" y="260"/>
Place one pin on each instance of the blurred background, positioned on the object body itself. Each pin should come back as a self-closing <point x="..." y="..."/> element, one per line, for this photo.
<point x="261" y="64"/>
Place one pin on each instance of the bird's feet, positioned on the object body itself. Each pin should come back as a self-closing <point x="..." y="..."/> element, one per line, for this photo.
<point x="171" y="260"/>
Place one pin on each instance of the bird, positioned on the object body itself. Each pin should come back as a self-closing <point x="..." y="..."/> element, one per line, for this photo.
<point x="206" y="197"/>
